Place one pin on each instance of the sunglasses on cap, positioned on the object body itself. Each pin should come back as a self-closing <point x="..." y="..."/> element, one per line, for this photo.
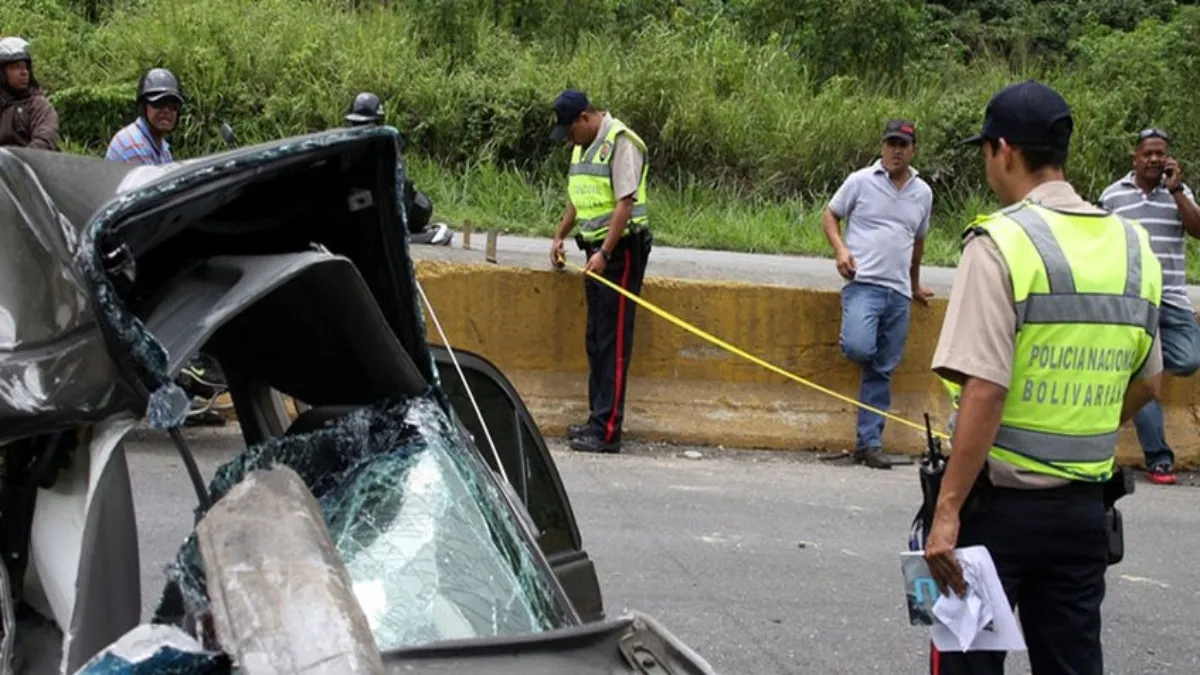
<point x="1153" y="132"/>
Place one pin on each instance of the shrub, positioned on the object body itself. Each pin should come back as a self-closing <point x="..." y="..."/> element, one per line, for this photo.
<point x="768" y="100"/>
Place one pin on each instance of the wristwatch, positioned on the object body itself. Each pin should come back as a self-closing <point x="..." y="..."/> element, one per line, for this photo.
<point x="1177" y="188"/>
<point x="606" y="254"/>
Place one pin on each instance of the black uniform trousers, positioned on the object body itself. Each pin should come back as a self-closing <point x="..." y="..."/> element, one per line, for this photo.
<point x="1050" y="548"/>
<point x="609" y="335"/>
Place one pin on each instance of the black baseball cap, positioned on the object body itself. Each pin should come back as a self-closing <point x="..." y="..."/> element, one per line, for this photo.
<point x="1027" y="113"/>
<point x="901" y="129"/>
<point x="567" y="108"/>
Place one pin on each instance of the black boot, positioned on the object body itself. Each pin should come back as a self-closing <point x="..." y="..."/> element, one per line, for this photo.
<point x="590" y="442"/>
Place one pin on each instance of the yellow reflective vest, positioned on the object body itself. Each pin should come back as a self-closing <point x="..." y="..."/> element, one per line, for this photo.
<point x="589" y="184"/>
<point x="1087" y="291"/>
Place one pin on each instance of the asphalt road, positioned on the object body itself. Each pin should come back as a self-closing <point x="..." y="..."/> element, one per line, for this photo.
<point x="686" y="263"/>
<point x="771" y="563"/>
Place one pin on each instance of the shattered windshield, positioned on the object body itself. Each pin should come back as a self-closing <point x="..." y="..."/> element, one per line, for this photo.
<point x="422" y="554"/>
<point x="432" y="552"/>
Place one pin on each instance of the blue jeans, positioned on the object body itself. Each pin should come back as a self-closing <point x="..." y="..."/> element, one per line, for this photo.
<point x="874" y="332"/>
<point x="1180" y="337"/>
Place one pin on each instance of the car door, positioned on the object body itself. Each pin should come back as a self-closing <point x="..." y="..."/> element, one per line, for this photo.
<point x="529" y="466"/>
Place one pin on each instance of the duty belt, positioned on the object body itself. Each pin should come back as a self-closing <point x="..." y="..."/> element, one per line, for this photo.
<point x="631" y="231"/>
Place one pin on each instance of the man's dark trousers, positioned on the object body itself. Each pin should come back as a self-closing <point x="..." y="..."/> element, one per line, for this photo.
<point x="1050" y="548"/>
<point x="609" y="336"/>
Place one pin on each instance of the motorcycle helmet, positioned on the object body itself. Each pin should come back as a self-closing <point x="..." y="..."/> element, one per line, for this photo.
<point x="157" y="84"/>
<point x="365" y="109"/>
<point x="13" y="49"/>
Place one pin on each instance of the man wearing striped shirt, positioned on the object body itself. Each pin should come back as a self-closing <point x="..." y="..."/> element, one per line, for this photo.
<point x="144" y="141"/>
<point x="1154" y="195"/>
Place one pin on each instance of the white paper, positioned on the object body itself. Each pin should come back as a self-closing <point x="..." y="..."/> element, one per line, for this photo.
<point x="965" y="617"/>
<point x="962" y="624"/>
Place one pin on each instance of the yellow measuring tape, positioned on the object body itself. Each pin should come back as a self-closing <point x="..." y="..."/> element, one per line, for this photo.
<point x="698" y="332"/>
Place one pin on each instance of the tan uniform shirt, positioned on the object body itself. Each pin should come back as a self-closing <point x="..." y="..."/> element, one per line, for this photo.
<point x="626" y="162"/>
<point x="978" y="334"/>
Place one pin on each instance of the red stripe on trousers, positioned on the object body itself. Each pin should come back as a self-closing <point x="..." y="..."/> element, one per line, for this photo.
<point x="612" y="416"/>
<point x="935" y="660"/>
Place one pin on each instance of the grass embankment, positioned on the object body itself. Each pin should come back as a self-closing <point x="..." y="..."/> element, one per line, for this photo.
<point x="755" y="110"/>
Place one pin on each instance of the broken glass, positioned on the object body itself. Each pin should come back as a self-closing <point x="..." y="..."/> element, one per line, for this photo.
<point x="432" y="550"/>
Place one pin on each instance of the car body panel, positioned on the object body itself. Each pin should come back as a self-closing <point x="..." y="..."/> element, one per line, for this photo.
<point x="54" y="367"/>
<point x="632" y="643"/>
<point x="84" y="546"/>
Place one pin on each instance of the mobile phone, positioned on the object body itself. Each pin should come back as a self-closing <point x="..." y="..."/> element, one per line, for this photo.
<point x="1166" y="173"/>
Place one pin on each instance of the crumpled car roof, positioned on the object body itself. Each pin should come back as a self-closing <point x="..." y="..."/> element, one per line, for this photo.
<point x="69" y="348"/>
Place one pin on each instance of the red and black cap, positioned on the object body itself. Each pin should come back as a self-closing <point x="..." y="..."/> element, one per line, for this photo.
<point x="901" y="129"/>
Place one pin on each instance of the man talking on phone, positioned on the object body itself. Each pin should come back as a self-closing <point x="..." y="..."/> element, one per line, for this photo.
<point x="1154" y="194"/>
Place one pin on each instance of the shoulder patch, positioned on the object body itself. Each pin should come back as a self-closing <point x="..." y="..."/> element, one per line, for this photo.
<point x="976" y="228"/>
<point x="978" y="223"/>
<point x="605" y="151"/>
<point x="970" y="233"/>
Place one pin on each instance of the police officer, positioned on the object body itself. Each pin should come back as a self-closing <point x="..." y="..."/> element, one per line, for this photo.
<point x="607" y="200"/>
<point x="144" y="141"/>
<point x="1052" y="333"/>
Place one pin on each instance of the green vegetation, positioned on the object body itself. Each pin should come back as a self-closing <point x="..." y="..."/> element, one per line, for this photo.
<point x="755" y="110"/>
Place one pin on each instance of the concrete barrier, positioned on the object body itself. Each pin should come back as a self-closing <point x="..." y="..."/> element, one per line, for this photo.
<point x="682" y="389"/>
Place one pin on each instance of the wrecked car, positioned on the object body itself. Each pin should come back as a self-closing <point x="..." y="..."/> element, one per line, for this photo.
<point x="409" y="519"/>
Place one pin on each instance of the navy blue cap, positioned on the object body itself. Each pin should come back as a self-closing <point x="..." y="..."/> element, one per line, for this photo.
<point x="567" y="108"/>
<point x="1027" y="113"/>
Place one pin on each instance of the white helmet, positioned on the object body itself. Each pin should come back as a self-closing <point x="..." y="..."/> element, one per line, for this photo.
<point x="13" y="49"/>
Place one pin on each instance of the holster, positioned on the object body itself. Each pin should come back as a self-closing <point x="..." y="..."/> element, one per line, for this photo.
<point x="1120" y="485"/>
<point x="1116" y="535"/>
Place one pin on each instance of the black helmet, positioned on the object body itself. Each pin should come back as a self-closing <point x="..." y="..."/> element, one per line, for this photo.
<point x="157" y="84"/>
<point x="365" y="109"/>
<point x="13" y="49"/>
